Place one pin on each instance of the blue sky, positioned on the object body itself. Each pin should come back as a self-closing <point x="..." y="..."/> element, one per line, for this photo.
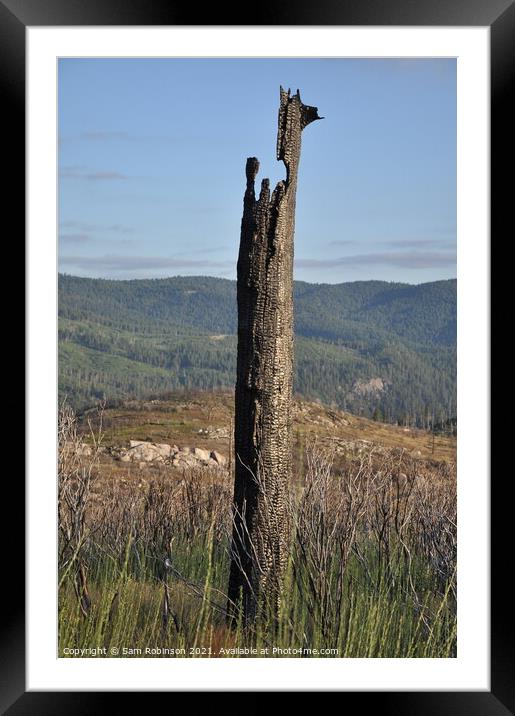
<point x="152" y="165"/>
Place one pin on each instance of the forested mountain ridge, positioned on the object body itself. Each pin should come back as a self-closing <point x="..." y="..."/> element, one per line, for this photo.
<point x="371" y="347"/>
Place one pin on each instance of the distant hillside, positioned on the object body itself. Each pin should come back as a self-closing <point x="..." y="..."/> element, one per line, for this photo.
<point x="371" y="347"/>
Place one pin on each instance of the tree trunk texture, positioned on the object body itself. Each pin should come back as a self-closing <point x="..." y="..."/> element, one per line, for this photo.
<point x="264" y="383"/>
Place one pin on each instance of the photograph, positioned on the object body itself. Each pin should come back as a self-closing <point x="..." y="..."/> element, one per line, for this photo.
<point x="258" y="249"/>
<point x="257" y="358"/>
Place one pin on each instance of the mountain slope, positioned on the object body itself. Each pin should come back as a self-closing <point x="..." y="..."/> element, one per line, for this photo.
<point x="368" y="346"/>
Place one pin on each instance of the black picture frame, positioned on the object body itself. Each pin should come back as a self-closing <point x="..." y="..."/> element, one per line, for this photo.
<point x="499" y="15"/>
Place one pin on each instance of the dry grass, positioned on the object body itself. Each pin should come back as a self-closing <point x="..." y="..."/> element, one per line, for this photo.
<point x="372" y="552"/>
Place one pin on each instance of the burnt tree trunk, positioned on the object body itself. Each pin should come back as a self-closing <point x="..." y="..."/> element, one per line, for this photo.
<point x="264" y="383"/>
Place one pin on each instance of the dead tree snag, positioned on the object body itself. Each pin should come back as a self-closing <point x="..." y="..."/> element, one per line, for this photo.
<point x="264" y="383"/>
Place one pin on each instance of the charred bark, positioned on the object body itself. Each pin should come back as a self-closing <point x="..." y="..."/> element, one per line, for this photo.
<point x="264" y="383"/>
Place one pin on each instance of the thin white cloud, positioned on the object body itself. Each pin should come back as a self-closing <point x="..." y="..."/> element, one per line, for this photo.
<point x="422" y="243"/>
<point x="114" y="262"/>
<point x="399" y="259"/>
<point x="87" y="227"/>
<point x="342" y="242"/>
<point x="117" y="263"/>
<point x="81" y="173"/>
<point x="67" y="239"/>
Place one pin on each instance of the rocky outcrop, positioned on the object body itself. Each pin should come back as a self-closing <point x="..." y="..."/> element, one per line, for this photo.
<point x="372" y="387"/>
<point x="348" y="448"/>
<point x="143" y="452"/>
<point x="218" y="458"/>
<point x="214" y="433"/>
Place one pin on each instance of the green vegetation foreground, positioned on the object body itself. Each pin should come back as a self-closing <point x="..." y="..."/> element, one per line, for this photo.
<point x="143" y="567"/>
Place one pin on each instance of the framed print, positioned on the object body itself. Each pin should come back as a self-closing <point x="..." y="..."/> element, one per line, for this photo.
<point x="136" y="124"/>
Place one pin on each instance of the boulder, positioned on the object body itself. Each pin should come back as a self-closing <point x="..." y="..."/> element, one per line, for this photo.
<point x="142" y="451"/>
<point x="218" y="458"/>
<point x="184" y="459"/>
<point x="200" y="454"/>
<point x="163" y="449"/>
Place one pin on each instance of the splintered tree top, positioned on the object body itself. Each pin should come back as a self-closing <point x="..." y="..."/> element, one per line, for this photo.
<point x="293" y="117"/>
